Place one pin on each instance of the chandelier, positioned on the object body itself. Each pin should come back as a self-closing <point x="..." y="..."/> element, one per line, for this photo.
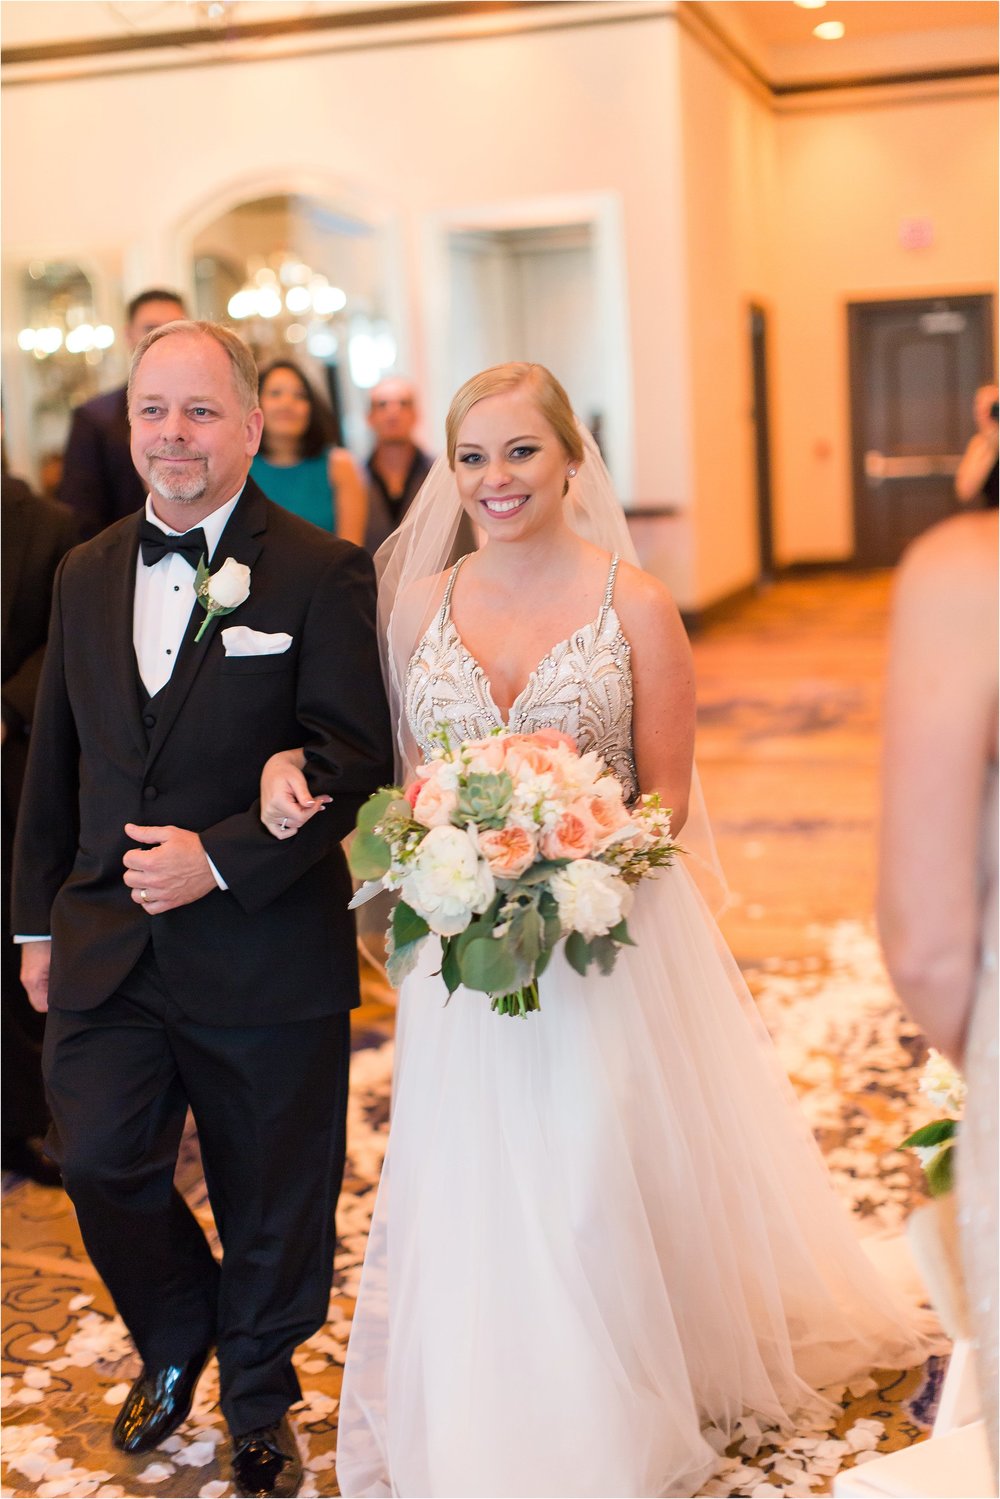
<point x="296" y="301"/>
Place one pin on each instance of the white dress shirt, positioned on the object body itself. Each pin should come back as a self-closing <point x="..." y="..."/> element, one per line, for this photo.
<point x="164" y="598"/>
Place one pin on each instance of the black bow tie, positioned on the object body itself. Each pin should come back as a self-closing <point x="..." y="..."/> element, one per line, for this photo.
<point x="156" y="544"/>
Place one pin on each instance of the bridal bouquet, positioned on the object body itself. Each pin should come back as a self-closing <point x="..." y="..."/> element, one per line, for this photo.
<point x="502" y="847"/>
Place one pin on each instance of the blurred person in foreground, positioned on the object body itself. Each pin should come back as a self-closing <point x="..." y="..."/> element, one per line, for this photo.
<point x="938" y="865"/>
<point x="298" y="465"/>
<point x="36" y="536"/>
<point x="978" y="474"/>
<point x="99" y="482"/>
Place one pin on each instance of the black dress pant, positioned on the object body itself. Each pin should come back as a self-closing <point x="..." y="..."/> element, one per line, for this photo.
<point x="23" y="1111"/>
<point x="270" y="1105"/>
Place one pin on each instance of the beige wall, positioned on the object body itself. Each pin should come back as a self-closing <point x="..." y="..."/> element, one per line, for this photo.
<point x="720" y="198"/>
<point x="400" y="136"/>
<point x="730" y="217"/>
<point x="848" y="177"/>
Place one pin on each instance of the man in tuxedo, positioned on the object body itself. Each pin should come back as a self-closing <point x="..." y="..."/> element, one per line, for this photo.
<point x="36" y="536"/>
<point x="194" y="958"/>
<point x="99" y="481"/>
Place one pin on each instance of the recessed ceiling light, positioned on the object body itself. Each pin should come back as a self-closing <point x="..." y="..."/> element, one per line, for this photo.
<point x="829" y="31"/>
<point x="810" y="4"/>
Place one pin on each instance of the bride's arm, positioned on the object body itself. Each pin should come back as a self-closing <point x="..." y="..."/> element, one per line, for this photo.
<point x="285" y="801"/>
<point x="663" y="688"/>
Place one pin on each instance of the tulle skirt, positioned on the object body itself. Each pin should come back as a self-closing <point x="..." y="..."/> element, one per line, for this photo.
<point x="599" y="1229"/>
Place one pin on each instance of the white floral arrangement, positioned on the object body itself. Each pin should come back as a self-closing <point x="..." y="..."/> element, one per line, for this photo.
<point x="503" y="847"/>
<point x="934" y="1144"/>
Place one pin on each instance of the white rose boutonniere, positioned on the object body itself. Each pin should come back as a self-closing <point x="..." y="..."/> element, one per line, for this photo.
<point x="220" y="592"/>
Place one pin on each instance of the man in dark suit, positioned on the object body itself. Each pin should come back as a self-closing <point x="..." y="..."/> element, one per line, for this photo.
<point x="99" y="482"/>
<point x="194" y="958"/>
<point x="36" y="536"/>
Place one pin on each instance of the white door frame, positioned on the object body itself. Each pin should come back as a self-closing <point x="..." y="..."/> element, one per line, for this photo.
<point x="601" y="213"/>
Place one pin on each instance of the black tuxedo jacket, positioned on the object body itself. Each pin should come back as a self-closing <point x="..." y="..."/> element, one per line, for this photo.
<point x="99" y="482"/>
<point x="36" y="536"/>
<point x="279" y="943"/>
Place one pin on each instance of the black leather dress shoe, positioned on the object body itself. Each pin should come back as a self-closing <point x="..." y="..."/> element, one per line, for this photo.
<point x="156" y="1405"/>
<point x="267" y="1463"/>
<point x="28" y="1158"/>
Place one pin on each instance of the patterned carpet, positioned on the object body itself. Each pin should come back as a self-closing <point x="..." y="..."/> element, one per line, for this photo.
<point x="851" y="1055"/>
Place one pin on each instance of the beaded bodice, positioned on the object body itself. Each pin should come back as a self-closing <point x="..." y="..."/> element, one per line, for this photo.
<point x="582" y="686"/>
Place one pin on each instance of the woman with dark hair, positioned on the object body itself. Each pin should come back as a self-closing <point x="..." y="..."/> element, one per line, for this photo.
<point x="298" y="467"/>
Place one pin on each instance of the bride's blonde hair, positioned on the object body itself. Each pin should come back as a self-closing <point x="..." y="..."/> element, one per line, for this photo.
<point x="549" y="396"/>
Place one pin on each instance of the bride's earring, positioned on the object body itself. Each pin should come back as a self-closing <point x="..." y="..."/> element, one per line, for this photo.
<point x="571" y="472"/>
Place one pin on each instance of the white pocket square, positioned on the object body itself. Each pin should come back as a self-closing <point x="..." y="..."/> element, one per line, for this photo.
<point x="240" y="640"/>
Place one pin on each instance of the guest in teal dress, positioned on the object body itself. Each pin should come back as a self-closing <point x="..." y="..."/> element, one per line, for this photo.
<point x="297" y="466"/>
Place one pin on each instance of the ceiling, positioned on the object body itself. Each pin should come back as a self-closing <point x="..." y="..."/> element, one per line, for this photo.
<point x="781" y="23"/>
<point x="883" y="37"/>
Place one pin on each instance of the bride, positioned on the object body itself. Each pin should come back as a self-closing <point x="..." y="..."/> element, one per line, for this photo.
<point x="603" y="1228"/>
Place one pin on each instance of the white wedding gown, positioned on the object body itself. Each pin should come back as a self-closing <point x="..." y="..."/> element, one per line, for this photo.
<point x="603" y="1226"/>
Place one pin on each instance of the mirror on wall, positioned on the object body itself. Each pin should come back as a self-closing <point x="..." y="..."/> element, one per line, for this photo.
<point x="299" y="278"/>
<point x="64" y="349"/>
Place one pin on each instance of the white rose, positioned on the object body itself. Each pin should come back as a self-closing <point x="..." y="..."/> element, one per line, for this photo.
<point x="591" y="898"/>
<point x="230" y="586"/>
<point x="448" y="882"/>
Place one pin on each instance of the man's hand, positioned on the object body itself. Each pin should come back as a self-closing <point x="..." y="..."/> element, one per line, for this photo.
<point x="174" y="873"/>
<point x="35" y="960"/>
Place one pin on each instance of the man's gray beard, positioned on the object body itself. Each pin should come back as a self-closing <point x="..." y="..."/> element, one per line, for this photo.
<point x="189" y="490"/>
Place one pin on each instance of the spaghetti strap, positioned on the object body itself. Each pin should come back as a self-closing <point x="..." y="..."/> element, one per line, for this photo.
<point x="445" y="609"/>
<point x="609" y="590"/>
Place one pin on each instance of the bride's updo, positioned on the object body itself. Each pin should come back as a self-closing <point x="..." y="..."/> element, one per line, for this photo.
<point x="549" y="396"/>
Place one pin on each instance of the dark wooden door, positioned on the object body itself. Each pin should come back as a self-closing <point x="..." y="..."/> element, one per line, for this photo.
<point x="762" y="443"/>
<point x="915" y="366"/>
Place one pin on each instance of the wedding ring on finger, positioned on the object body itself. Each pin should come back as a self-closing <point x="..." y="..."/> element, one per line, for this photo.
<point x="144" y="896"/>
<point x="283" y="824"/>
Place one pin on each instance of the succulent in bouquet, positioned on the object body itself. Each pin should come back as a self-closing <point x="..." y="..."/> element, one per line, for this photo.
<point x="503" y="847"/>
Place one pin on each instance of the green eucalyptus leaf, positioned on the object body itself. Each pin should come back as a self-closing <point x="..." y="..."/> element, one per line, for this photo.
<point x="369" y="856"/>
<point x="578" y="954"/>
<point x="941" y="1172"/>
<point x="538" y="873"/>
<point x="605" y="950"/>
<point x="376" y="806"/>
<point x="450" y="970"/>
<point x="407" y="926"/>
<point x="621" y="934"/>
<point x="931" y="1134"/>
<point x="487" y="964"/>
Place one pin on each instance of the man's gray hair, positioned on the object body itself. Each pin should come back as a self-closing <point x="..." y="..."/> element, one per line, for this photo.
<point x="244" y="366"/>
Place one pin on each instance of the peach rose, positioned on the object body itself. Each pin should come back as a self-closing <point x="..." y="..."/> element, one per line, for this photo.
<point x="553" y="739"/>
<point x="508" y="851"/>
<point x="433" y="805"/>
<point x="609" y="815"/>
<point x="572" y="837"/>
<point x="524" y="753"/>
<point x="486" y="756"/>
